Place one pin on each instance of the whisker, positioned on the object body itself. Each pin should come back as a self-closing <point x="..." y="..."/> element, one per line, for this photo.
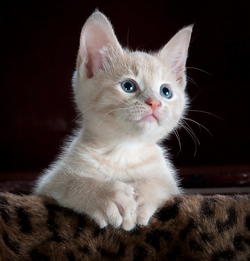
<point x="192" y="135"/>
<point x="192" y="80"/>
<point x="123" y="101"/>
<point x="88" y="109"/>
<point x="195" y="142"/>
<point x="133" y="118"/>
<point x="196" y="95"/>
<point x="121" y="116"/>
<point x="129" y="102"/>
<point x="82" y="113"/>
<point x="191" y="130"/>
<point x="110" y="112"/>
<point x="200" y="125"/>
<point x="178" y="139"/>
<point x="114" y="110"/>
<point x="124" y="119"/>
<point x="130" y="117"/>
<point x="207" y="113"/>
<point x="76" y="116"/>
<point x="199" y="70"/>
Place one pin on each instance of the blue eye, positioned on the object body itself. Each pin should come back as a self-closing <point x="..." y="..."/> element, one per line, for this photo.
<point x="128" y="86"/>
<point x="166" y="92"/>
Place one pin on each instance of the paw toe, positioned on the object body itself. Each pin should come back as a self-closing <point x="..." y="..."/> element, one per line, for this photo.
<point x="114" y="216"/>
<point x="144" y="214"/>
<point x="128" y="224"/>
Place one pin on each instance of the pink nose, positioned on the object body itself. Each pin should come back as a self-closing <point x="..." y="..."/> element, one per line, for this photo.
<point x="154" y="103"/>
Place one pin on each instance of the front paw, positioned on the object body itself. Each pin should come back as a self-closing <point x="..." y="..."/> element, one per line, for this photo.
<point x="141" y="216"/>
<point x="118" y="207"/>
<point x="146" y="207"/>
<point x="150" y="195"/>
<point x="144" y="213"/>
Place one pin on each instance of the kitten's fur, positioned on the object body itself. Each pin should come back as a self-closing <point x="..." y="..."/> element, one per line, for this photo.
<point x="114" y="170"/>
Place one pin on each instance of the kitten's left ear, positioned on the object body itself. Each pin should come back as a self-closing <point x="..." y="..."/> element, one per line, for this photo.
<point x="96" y="34"/>
<point x="175" y="52"/>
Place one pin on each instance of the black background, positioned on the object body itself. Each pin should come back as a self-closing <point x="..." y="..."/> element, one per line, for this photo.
<point x="38" y="48"/>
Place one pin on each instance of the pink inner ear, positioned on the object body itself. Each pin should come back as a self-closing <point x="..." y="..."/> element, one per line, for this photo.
<point x="178" y="62"/>
<point x="175" y="51"/>
<point x="92" y="41"/>
<point x="97" y="33"/>
<point x="94" y="63"/>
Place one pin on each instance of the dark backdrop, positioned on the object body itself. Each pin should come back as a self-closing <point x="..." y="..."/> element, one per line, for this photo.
<point x="38" y="47"/>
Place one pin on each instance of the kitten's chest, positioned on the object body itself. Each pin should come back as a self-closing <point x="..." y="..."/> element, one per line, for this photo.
<point x="130" y="163"/>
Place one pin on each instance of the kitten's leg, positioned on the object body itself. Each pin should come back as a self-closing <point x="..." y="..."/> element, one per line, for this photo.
<point x="151" y="194"/>
<point x="107" y="202"/>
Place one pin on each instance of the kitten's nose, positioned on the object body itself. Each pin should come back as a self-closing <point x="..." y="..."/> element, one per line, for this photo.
<point x="154" y="103"/>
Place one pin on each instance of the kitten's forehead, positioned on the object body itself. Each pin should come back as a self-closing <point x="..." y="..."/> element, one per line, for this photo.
<point x="145" y="62"/>
<point x="148" y="68"/>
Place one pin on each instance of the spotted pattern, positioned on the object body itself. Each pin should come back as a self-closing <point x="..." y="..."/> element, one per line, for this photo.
<point x="24" y="220"/>
<point x="189" y="228"/>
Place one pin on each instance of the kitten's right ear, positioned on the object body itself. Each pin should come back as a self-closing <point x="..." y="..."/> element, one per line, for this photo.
<point x="175" y="52"/>
<point x="96" y="34"/>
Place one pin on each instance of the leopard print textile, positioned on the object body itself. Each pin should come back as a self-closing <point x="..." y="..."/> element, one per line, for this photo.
<point x="187" y="227"/>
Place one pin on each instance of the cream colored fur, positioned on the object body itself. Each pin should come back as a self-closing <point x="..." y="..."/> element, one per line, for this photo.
<point x="114" y="170"/>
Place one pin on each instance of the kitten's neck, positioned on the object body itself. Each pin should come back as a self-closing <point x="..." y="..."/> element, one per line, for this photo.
<point x="119" y="156"/>
<point x="107" y="142"/>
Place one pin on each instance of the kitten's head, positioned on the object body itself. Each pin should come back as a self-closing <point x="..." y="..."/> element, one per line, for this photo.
<point x="124" y="94"/>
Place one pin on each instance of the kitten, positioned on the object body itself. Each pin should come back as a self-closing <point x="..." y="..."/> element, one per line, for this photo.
<point x="114" y="170"/>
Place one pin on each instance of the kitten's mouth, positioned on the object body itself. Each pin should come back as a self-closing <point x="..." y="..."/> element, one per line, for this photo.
<point x="149" y="117"/>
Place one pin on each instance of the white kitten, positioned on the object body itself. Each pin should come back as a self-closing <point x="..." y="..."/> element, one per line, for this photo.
<point x="114" y="170"/>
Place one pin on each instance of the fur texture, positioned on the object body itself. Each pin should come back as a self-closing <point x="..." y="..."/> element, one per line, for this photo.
<point x="187" y="227"/>
<point x="114" y="170"/>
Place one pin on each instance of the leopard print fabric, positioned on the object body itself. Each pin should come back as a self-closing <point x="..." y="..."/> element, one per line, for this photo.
<point x="187" y="227"/>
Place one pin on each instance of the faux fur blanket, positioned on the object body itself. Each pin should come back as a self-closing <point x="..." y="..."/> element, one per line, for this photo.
<point x="187" y="227"/>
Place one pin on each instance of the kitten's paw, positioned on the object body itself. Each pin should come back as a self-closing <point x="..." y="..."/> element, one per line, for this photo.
<point x="146" y="206"/>
<point x="100" y="219"/>
<point x="122" y="205"/>
<point x="130" y="222"/>
<point x="124" y="199"/>
<point x="144" y="213"/>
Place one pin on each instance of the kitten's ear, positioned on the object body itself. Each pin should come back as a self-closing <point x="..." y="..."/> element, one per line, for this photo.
<point x="175" y="52"/>
<point x="96" y="34"/>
